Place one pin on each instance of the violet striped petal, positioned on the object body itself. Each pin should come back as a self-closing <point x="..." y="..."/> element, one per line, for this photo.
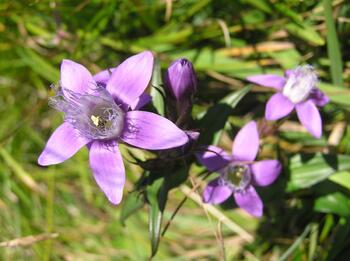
<point x="268" y="80"/>
<point x="310" y="117"/>
<point x="245" y="147"/>
<point x="148" y="130"/>
<point x="75" y="77"/>
<point x="107" y="166"/>
<point x="63" y="144"/>
<point x="213" y="158"/>
<point x="265" y="172"/>
<point x="130" y="79"/>
<point x="250" y="201"/>
<point x="216" y="193"/>
<point x="277" y="107"/>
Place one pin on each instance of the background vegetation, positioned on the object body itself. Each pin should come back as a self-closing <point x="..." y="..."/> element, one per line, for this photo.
<point x="58" y="213"/>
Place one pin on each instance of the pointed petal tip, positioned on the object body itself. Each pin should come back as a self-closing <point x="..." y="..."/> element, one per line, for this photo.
<point x="266" y="172"/>
<point x="108" y="169"/>
<point x="115" y="201"/>
<point x="245" y="146"/>
<point x="250" y="201"/>
<point x="130" y="79"/>
<point x="64" y="142"/>
<point x="42" y="161"/>
<point x="267" y="80"/>
<point x="310" y="118"/>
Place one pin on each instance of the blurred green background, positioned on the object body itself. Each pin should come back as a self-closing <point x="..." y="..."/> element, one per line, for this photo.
<point x="306" y="212"/>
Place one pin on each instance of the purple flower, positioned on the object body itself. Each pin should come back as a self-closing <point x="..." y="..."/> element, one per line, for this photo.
<point x="239" y="173"/>
<point x="296" y="90"/>
<point x="181" y="81"/>
<point x="97" y="115"/>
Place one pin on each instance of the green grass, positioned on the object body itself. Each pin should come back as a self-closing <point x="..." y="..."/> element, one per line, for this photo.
<point x="226" y="41"/>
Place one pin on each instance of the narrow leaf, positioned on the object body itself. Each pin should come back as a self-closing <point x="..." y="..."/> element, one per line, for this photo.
<point x="157" y="91"/>
<point x="341" y="178"/>
<point x="133" y="202"/>
<point x="216" y="117"/>
<point x="307" y="170"/>
<point x="333" y="45"/>
<point x="336" y="203"/>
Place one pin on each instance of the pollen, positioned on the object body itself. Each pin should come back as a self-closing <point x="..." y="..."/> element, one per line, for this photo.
<point x="95" y="120"/>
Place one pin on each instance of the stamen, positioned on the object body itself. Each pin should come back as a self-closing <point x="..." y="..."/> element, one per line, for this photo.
<point x="95" y="115"/>
<point x="300" y="83"/>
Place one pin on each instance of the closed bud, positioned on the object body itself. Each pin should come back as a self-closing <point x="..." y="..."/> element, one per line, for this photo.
<point x="181" y="80"/>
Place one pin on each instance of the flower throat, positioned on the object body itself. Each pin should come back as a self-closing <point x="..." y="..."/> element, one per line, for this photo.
<point x="95" y="115"/>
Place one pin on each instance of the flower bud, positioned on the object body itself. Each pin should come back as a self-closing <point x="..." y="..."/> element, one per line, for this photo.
<point x="181" y="80"/>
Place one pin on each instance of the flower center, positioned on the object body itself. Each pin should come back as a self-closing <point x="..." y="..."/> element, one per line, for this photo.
<point x="96" y="116"/>
<point x="237" y="176"/>
<point x="300" y="83"/>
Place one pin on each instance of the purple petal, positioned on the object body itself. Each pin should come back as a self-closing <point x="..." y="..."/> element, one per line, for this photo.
<point x="250" y="201"/>
<point x="266" y="172"/>
<point x="268" y="80"/>
<point x="141" y="101"/>
<point x="180" y="79"/>
<point x="216" y="193"/>
<point x="103" y="76"/>
<point x="310" y="117"/>
<point x="245" y="147"/>
<point x="130" y="79"/>
<point x="75" y="77"/>
<point x="213" y="158"/>
<point x="63" y="144"/>
<point x="277" y="107"/>
<point x="108" y="169"/>
<point x="288" y="73"/>
<point x="318" y="97"/>
<point x="192" y="135"/>
<point x="150" y="131"/>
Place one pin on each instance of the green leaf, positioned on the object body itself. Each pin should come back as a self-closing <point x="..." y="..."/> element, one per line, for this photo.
<point x="336" y="203"/>
<point x="296" y="244"/>
<point x="157" y="195"/>
<point x="216" y="117"/>
<point x="306" y="33"/>
<point x="157" y="90"/>
<point x="340" y="240"/>
<point x="39" y="65"/>
<point x="313" y="240"/>
<point x="259" y="4"/>
<point x="307" y="170"/>
<point x="288" y="58"/>
<point x="342" y="178"/>
<point x="327" y="227"/>
<point x="287" y="12"/>
<point x="133" y="202"/>
<point x="336" y="93"/>
<point x="333" y="45"/>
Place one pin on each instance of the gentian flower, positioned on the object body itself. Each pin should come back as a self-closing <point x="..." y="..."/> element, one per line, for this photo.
<point x="239" y="173"/>
<point x="97" y="114"/>
<point x="297" y="90"/>
<point x="181" y="82"/>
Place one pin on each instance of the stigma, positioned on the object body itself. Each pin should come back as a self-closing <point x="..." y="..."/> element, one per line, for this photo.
<point x="300" y="82"/>
<point x="237" y="176"/>
<point x="95" y="115"/>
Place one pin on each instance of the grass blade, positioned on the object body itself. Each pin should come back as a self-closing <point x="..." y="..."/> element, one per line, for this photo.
<point x="333" y="45"/>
